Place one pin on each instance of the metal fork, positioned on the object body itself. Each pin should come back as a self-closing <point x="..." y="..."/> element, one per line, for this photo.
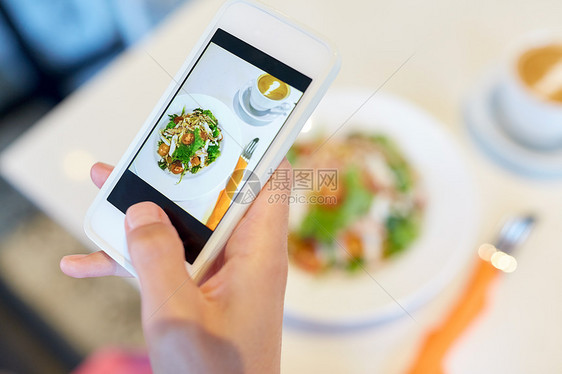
<point x="249" y="149"/>
<point x="473" y="299"/>
<point x="514" y="231"/>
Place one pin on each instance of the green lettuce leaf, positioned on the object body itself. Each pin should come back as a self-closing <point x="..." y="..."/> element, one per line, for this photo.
<point x="184" y="153"/>
<point x="324" y="223"/>
<point x="213" y="151"/>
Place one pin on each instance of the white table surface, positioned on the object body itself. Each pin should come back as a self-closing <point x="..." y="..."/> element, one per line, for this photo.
<point x="453" y="43"/>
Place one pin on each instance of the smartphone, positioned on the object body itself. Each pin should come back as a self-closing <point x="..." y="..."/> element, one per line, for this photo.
<point x="224" y="124"/>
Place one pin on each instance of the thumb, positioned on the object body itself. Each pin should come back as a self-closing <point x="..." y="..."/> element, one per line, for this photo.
<point x="158" y="257"/>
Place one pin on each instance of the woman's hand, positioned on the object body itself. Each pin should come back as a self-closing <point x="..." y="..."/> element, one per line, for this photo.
<point x="232" y="321"/>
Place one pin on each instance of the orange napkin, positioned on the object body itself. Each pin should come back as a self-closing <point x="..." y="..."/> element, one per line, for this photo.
<point x="470" y="304"/>
<point x="224" y="200"/>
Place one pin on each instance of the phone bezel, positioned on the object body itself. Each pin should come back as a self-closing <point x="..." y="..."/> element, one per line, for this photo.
<point x="261" y="27"/>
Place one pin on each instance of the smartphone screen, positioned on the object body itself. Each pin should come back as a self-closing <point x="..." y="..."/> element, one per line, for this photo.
<point x="213" y="133"/>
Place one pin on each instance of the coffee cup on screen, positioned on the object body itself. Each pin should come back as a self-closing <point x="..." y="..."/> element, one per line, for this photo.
<point x="530" y="96"/>
<point x="268" y="93"/>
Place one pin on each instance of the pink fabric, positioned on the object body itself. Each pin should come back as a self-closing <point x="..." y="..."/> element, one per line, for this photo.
<point x="115" y="361"/>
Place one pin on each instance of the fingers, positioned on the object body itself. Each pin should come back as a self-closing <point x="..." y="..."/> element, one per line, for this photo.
<point x="97" y="264"/>
<point x="156" y="253"/>
<point x="262" y="233"/>
<point x="158" y="257"/>
<point x="255" y="272"/>
<point x="273" y="200"/>
<point x="100" y="172"/>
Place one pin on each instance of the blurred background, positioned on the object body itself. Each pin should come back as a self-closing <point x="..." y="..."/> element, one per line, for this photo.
<point x="49" y="49"/>
<point x="78" y="77"/>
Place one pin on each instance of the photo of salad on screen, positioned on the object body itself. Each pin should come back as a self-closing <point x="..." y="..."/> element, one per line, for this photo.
<point x="190" y="142"/>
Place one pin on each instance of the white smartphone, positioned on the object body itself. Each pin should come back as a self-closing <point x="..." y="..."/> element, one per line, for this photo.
<point x="224" y="124"/>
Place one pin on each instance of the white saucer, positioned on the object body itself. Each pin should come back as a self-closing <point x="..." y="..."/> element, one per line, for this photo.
<point x="247" y="113"/>
<point x="480" y="113"/>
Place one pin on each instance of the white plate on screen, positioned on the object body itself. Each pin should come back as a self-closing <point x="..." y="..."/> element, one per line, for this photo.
<point x="341" y="301"/>
<point x="192" y="186"/>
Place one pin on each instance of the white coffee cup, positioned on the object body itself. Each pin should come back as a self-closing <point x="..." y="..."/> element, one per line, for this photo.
<point x="527" y="108"/>
<point x="268" y="93"/>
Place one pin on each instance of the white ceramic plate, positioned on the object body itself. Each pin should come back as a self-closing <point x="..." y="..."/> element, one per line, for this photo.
<point x="405" y="282"/>
<point x="192" y="186"/>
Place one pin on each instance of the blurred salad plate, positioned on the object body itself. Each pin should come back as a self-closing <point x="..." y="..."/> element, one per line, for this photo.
<point x="400" y="222"/>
